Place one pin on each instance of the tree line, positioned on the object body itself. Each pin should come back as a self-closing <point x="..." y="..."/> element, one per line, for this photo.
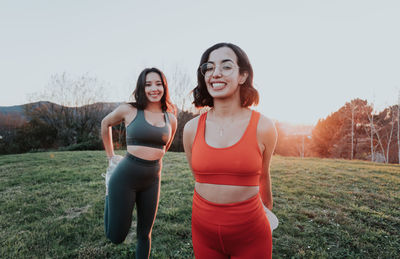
<point x="49" y="126"/>
<point x="72" y="122"/>
<point x="355" y="131"/>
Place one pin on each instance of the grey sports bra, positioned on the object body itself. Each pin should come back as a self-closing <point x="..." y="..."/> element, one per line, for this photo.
<point x="141" y="133"/>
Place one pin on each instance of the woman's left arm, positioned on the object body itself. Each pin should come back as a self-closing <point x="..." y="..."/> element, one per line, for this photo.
<point x="267" y="136"/>
<point x="174" y="124"/>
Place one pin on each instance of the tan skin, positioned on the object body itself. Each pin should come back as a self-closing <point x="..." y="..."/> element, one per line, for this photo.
<point x="153" y="115"/>
<point x="228" y="114"/>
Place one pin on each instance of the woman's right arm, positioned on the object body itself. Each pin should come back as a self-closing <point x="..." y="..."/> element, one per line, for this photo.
<point x="113" y="118"/>
<point x="189" y="132"/>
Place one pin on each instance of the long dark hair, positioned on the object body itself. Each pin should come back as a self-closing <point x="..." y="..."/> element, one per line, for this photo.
<point x="139" y="94"/>
<point x="248" y="94"/>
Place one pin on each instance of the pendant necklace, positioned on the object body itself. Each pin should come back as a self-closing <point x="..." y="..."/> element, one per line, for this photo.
<point x="220" y="127"/>
<point x="221" y="131"/>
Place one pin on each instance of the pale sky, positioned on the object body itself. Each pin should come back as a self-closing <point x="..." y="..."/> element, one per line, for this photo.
<point x="309" y="57"/>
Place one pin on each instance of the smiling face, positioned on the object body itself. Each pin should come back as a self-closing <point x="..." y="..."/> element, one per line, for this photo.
<point x="205" y="92"/>
<point x="154" y="88"/>
<point x="222" y="76"/>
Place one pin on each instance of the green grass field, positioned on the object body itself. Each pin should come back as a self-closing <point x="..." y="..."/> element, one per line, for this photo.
<point x="51" y="206"/>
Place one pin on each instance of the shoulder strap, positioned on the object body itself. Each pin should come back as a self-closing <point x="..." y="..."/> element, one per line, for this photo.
<point x="202" y="123"/>
<point x="200" y="128"/>
<point x="139" y="115"/>
<point x="255" y="117"/>
<point x="250" y="135"/>
<point x="166" y="118"/>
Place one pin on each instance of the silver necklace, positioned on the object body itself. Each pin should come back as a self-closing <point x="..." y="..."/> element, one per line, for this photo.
<point x="220" y="127"/>
<point x="221" y="130"/>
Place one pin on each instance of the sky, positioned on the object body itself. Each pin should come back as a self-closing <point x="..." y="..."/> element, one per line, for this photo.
<point x="309" y="57"/>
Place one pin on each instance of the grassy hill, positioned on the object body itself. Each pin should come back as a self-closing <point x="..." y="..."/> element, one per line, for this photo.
<point x="51" y="205"/>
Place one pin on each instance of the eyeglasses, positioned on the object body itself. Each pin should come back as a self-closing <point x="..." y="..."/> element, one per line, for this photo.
<point x="226" y="68"/>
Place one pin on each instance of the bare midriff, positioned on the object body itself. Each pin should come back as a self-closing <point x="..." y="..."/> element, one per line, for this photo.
<point x="146" y="153"/>
<point x="223" y="194"/>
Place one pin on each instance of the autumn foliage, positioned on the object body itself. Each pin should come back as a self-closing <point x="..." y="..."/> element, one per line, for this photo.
<point x="355" y="131"/>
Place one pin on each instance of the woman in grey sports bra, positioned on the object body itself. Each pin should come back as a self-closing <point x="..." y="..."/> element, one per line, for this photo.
<point x="150" y="128"/>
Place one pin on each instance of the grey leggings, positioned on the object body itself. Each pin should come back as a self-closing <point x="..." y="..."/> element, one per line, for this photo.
<point x="135" y="180"/>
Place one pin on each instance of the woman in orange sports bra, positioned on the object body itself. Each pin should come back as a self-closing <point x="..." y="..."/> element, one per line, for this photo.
<point x="229" y="150"/>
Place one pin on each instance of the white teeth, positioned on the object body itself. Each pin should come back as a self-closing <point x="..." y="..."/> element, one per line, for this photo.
<point x="218" y="84"/>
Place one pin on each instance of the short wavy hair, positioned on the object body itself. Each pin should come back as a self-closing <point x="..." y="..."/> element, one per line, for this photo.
<point x="139" y="93"/>
<point x="248" y="94"/>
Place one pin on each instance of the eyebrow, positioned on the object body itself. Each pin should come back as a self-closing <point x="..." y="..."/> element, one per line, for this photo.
<point x="225" y="60"/>
<point x="157" y="81"/>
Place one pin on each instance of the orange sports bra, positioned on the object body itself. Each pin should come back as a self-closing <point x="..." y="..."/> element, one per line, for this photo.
<point x="239" y="164"/>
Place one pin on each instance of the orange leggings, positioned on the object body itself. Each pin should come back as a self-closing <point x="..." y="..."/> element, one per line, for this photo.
<point x="234" y="230"/>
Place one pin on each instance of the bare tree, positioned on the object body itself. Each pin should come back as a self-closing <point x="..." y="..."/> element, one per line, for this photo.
<point x="10" y="122"/>
<point x="70" y="107"/>
<point x="390" y="134"/>
<point x="355" y="111"/>
<point x="301" y="138"/>
<point x="375" y="132"/>
<point x="180" y="86"/>
<point x="372" y="133"/>
<point x="386" y="129"/>
<point x="383" y="129"/>
<point x="398" y="128"/>
<point x="353" y="107"/>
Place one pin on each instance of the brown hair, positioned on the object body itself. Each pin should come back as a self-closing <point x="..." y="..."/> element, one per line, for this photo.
<point x="248" y="94"/>
<point x="140" y="95"/>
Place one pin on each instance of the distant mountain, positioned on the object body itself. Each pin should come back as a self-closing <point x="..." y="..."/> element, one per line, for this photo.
<point x="17" y="112"/>
<point x="16" y="109"/>
<point x="12" y="116"/>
